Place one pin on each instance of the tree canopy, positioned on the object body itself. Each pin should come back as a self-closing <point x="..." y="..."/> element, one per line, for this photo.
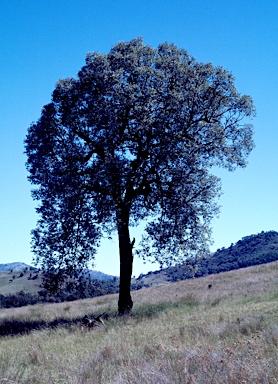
<point x="134" y="137"/>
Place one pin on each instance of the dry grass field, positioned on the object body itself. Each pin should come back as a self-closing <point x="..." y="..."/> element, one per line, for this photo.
<point x="183" y="332"/>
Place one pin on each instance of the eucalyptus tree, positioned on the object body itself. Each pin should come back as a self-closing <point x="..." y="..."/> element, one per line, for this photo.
<point x="132" y="138"/>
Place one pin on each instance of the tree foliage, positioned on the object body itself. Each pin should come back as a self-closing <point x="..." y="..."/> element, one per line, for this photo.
<point x="133" y="138"/>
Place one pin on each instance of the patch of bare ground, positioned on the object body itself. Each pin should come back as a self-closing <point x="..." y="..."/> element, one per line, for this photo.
<point x="217" y="329"/>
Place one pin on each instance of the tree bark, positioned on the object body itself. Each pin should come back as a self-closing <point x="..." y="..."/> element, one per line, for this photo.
<point x="126" y="263"/>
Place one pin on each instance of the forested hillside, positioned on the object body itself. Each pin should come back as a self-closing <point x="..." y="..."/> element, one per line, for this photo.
<point x="250" y="250"/>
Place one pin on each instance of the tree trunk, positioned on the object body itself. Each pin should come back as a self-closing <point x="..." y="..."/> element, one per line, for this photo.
<point x="126" y="262"/>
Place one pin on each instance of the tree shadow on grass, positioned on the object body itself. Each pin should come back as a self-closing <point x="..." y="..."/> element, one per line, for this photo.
<point x="15" y="327"/>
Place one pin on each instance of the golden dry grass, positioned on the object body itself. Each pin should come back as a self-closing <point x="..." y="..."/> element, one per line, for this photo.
<point x="183" y="332"/>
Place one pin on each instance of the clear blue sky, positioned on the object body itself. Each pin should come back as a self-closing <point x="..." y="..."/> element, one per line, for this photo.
<point x="44" y="40"/>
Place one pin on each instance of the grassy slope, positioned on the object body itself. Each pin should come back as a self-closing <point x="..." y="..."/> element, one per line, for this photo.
<point x="183" y="332"/>
<point x="10" y="285"/>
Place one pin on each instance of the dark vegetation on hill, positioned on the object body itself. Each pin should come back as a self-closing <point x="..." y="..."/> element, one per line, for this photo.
<point x="251" y="250"/>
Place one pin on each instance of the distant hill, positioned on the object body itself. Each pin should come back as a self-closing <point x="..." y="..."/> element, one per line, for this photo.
<point x="250" y="250"/>
<point x="27" y="280"/>
<point x="100" y="275"/>
<point x="21" y="284"/>
<point x="20" y="288"/>
<point x="17" y="266"/>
